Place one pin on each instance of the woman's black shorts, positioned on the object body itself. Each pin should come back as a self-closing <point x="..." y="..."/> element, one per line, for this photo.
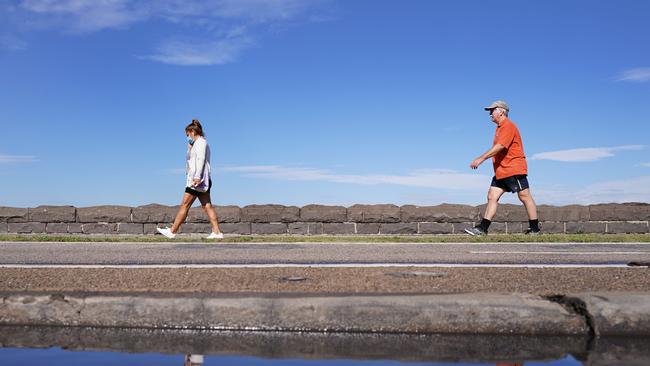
<point x="516" y="183"/>
<point x="197" y="193"/>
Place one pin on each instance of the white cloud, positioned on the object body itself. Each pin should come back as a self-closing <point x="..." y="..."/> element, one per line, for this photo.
<point x="449" y="185"/>
<point x="624" y="190"/>
<point x="116" y="13"/>
<point x="584" y="154"/>
<point x="437" y="178"/>
<point x="639" y="75"/>
<point x="16" y="159"/>
<point x="256" y="10"/>
<point x="645" y="165"/>
<point x="81" y="16"/>
<point x="12" y="43"/>
<point x="210" y="53"/>
<point x="225" y="27"/>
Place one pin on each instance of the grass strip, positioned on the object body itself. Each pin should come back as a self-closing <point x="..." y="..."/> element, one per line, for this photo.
<point x="498" y="238"/>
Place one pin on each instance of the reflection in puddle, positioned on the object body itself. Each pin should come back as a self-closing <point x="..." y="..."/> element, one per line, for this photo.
<point x="59" y="357"/>
<point x="193" y="360"/>
<point x="110" y="346"/>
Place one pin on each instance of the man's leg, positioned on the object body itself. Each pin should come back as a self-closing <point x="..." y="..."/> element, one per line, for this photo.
<point x="188" y="199"/>
<point x="494" y="194"/>
<point x="531" y="209"/>
<point x="527" y="199"/>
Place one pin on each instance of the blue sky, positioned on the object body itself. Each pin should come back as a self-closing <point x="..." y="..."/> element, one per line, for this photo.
<point x="323" y="101"/>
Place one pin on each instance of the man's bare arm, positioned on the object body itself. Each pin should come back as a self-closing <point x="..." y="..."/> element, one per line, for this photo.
<point x="490" y="153"/>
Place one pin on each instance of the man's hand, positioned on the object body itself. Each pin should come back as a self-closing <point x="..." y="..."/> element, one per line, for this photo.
<point x="490" y="153"/>
<point x="476" y="162"/>
<point x="196" y="182"/>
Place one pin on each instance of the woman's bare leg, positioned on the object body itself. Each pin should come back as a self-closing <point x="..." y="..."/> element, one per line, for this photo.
<point x="187" y="202"/>
<point x="206" y="203"/>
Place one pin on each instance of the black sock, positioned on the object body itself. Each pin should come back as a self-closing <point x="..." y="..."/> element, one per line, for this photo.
<point x="533" y="224"/>
<point x="485" y="224"/>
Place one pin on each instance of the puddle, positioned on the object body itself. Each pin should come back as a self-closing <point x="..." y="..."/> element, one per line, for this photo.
<point x="110" y="346"/>
<point x="59" y="357"/>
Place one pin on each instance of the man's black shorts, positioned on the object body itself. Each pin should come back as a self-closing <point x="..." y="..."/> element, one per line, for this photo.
<point x="516" y="183"/>
<point x="197" y="193"/>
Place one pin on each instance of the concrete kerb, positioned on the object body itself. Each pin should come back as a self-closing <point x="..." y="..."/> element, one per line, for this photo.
<point x="422" y="314"/>
<point x="616" y="314"/>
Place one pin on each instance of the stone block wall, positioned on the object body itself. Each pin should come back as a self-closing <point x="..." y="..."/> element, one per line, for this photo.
<point x="324" y="220"/>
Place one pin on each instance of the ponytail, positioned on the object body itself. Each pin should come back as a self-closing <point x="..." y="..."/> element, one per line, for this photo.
<point x="195" y="127"/>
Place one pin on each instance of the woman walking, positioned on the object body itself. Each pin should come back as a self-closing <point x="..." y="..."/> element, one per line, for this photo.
<point x="198" y="182"/>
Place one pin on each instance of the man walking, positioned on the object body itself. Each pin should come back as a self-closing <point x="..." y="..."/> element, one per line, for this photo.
<point x="510" y="170"/>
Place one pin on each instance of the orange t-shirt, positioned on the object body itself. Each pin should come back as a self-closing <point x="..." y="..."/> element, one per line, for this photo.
<point x="510" y="161"/>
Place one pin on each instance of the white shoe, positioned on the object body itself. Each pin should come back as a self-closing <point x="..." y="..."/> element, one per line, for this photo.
<point x="166" y="232"/>
<point x="215" y="236"/>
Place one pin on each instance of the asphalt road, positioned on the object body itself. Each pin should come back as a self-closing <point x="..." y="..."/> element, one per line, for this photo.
<point x="321" y="254"/>
<point x="319" y="268"/>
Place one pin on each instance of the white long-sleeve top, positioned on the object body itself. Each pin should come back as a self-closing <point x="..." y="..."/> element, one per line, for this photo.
<point x="198" y="161"/>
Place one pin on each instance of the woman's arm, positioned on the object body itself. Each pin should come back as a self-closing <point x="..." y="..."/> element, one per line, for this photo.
<point x="199" y="150"/>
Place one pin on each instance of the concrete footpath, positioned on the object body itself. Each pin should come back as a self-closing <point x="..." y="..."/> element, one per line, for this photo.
<point x="531" y="289"/>
<point x="591" y="314"/>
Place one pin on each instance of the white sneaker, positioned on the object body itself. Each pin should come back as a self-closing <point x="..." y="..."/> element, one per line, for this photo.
<point x="214" y="235"/>
<point x="166" y="232"/>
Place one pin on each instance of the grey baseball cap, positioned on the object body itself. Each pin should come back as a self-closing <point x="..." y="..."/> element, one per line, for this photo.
<point x="498" y="104"/>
